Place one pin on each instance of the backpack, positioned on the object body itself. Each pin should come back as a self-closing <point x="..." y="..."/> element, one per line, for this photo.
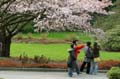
<point x="89" y="54"/>
<point x="72" y="58"/>
<point x="72" y="55"/>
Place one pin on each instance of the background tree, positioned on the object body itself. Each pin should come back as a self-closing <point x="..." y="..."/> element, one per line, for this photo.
<point x="110" y="24"/>
<point x="112" y="39"/>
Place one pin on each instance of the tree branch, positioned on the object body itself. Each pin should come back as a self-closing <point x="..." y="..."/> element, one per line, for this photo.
<point x="14" y="28"/>
<point x="9" y="3"/>
<point x="21" y="21"/>
<point x="22" y="26"/>
<point x="18" y="16"/>
<point x="7" y="17"/>
<point x="5" y="2"/>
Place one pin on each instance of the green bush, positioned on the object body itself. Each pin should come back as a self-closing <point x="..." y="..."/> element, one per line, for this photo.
<point x="114" y="73"/>
<point x="113" y="39"/>
<point x="28" y="28"/>
<point x="109" y="21"/>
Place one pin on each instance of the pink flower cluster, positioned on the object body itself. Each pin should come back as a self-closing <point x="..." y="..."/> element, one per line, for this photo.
<point x="61" y="15"/>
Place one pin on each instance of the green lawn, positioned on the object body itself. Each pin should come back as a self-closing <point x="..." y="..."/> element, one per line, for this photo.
<point x="52" y="51"/>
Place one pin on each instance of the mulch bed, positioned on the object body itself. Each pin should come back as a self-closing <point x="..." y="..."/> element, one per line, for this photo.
<point x="10" y="62"/>
<point x="44" y="41"/>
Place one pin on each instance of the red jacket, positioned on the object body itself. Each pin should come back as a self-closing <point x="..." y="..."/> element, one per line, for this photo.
<point x="77" y="49"/>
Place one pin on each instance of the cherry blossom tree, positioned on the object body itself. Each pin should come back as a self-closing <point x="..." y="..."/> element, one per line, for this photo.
<point x="48" y="15"/>
<point x="70" y="15"/>
<point x="12" y="20"/>
<point x="62" y="15"/>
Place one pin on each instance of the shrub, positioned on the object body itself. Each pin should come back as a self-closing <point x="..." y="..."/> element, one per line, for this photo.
<point x="41" y="59"/>
<point x="23" y="58"/>
<point x="19" y="36"/>
<point x="71" y="37"/>
<point x="113" y="39"/>
<point x="114" y="73"/>
<point x="29" y="35"/>
<point x="44" y="36"/>
<point x="28" y="28"/>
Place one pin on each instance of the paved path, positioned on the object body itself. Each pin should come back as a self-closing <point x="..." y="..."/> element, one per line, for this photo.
<point x="47" y="75"/>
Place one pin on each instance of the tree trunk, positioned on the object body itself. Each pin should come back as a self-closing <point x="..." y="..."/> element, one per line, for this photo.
<point x="5" y="52"/>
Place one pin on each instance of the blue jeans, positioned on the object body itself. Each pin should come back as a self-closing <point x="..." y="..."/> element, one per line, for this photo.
<point x="70" y="69"/>
<point x="94" y="68"/>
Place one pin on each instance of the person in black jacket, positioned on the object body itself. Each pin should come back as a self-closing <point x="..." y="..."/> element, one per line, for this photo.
<point x="88" y="58"/>
<point x="96" y="56"/>
<point x="72" y="63"/>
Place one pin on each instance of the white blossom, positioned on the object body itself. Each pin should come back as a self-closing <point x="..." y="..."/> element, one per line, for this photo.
<point x="61" y="15"/>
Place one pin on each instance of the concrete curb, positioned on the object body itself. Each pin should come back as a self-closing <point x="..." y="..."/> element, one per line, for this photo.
<point x="40" y="69"/>
<point x="34" y="69"/>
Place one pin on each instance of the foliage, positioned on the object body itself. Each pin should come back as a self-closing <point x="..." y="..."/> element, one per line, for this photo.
<point x="41" y="59"/>
<point x="37" y="59"/>
<point x="111" y="25"/>
<point x="28" y="28"/>
<point x="114" y="73"/>
<point x="108" y="22"/>
<point x="113" y="39"/>
<point x="23" y="58"/>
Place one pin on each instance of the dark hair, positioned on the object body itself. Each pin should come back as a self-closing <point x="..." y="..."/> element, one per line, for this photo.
<point x="74" y="42"/>
<point x="88" y="43"/>
<point x="72" y="46"/>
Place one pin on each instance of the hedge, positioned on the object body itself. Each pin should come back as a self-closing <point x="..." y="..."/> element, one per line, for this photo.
<point x="114" y="73"/>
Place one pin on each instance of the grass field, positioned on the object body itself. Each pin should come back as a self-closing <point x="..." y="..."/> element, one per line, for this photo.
<point x="53" y="51"/>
